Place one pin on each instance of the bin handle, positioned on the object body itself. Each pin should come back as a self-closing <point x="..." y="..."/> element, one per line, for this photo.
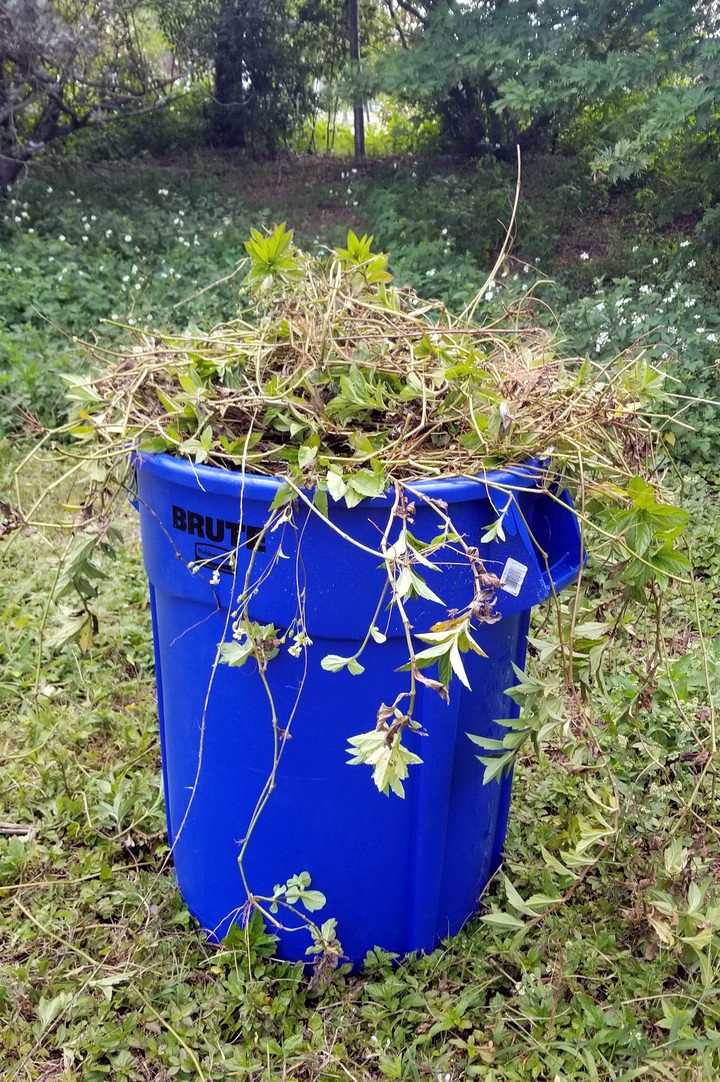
<point x="564" y="567"/>
<point x="564" y="552"/>
<point x="133" y="497"/>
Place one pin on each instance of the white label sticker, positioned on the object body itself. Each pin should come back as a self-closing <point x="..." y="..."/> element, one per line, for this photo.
<point x="513" y="577"/>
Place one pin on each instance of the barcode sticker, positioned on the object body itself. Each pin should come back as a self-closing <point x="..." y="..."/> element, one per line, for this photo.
<point x="513" y="577"/>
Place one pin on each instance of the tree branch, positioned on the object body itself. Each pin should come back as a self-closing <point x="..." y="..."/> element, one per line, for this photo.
<point x="412" y="10"/>
<point x="396" y="23"/>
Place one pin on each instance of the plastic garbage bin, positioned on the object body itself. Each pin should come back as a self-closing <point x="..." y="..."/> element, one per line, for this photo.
<point x="399" y="874"/>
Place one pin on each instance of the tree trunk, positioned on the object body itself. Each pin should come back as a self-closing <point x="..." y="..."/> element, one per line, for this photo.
<point x="228" y="122"/>
<point x="358" y="112"/>
<point x="10" y="169"/>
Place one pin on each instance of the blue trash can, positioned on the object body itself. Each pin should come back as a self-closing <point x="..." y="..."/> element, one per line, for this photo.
<point x="399" y="874"/>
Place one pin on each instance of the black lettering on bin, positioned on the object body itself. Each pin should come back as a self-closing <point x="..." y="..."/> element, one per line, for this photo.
<point x="217" y="529"/>
<point x="214" y="528"/>
<point x="254" y="538"/>
<point x="195" y="524"/>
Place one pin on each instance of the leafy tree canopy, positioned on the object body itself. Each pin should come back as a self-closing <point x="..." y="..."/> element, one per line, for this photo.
<point x="500" y="71"/>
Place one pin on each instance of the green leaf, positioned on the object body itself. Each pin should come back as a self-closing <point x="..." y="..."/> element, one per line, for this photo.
<point x="308" y="452"/>
<point x="421" y="589"/>
<point x="386" y="755"/>
<point x="296" y="889"/>
<point x="313" y="900"/>
<point x="594" y="630"/>
<point x="486" y="742"/>
<point x="154" y="444"/>
<point x="495" y="765"/>
<point x="457" y="666"/>
<point x="336" y="486"/>
<point x="284" y="495"/>
<point x="542" y="901"/>
<point x="557" y="866"/>
<point x="49" y="1010"/>
<point x="495" y="532"/>
<point x="335" y="663"/>
<point x="366" y="483"/>
<point x="502" y="920"/>
<point x="234" y="653"/>
<point x="320" y="501"/>
<point x="516" y="900"/>
<point x="271" y="256"/>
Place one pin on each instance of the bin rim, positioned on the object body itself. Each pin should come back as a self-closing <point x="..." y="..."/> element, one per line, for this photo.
<point x="220" y="482"/>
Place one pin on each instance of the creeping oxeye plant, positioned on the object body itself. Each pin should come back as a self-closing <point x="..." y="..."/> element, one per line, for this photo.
<point x="349" y="392"/>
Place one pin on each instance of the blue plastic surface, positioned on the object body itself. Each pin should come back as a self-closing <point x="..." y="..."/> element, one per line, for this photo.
<point x="399" y="874"/>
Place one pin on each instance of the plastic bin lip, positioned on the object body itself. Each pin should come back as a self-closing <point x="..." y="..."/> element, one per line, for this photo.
<point x="219" y="482"/>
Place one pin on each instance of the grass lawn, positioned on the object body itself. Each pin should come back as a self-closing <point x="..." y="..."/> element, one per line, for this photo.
<point x="102" y="972"/>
